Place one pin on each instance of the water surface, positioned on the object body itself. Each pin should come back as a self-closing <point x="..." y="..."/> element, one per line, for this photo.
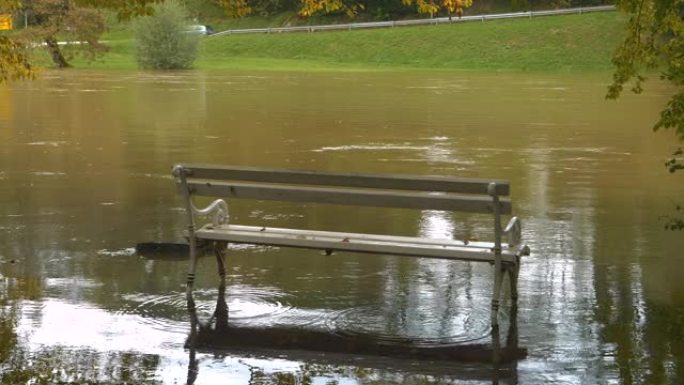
<point x="85" y="161"/>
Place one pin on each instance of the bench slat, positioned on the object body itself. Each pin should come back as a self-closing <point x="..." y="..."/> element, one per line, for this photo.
<point x="397" y="182"/>
<point x="349" y="196"/>
<point x="362" y="243"/>
<point x="375" y="237"/>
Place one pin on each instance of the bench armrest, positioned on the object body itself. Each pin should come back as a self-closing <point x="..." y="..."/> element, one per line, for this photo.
<point x="514" y="231"/>
<point x="218" y="207"/>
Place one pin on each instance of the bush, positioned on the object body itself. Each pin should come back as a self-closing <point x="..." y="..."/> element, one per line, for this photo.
<point x="162" y="41"/>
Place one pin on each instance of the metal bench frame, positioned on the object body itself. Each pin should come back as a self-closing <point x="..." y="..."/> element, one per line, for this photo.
<point x="402" y="191"/>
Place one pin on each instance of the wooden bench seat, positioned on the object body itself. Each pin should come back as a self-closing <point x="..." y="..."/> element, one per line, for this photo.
<point x="354" y="242"/>
<point x="468" y="195"/>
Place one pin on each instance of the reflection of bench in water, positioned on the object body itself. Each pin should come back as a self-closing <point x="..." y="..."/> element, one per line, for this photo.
<point x="220" y="334"/>
<point x="467" y="195"/>
<point x="326" y="352"/>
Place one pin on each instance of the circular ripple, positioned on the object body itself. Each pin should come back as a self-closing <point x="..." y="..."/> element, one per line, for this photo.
<point x="165" y="312"/>
<point x="413" y="326"/>
<point x="248" y="303"/>
<point x="168" y="312"/>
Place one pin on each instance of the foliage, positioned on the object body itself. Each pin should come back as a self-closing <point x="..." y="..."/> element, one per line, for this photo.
<point x="431" y="7"/>
<point x="60" y="365"/>
<point x="161" y="39"/>
<point x="50" y="19"/>
<point x="125" y="9"/>
<point x="385" y="9"/>
<point x="14" y="62"/>
<point x="655" y="40"/>
<point x="236" y="8"/>
<point x="311" y="7"/>
<point x="269" y="7"/>
<point x="308" y="8"/>
<point x="674" y="163"/>
<point x="72" y="20"/>
<point x="673" y="221"/>
<point x="551" y="4"/>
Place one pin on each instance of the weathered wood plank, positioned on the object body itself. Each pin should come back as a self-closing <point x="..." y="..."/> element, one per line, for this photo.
<point x="316" y="178"/>
<point x="349" y="196"/>
<point x="376" y="237"/>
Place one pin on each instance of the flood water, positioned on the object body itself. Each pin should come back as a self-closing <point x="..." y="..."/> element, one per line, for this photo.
<point x="85" y="174"/>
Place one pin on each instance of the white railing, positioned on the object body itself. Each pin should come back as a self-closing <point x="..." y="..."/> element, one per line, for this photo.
<point x="434" y="21"/>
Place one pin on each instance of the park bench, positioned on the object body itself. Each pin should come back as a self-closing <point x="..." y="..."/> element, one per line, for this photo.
<point x="467" y="195"/>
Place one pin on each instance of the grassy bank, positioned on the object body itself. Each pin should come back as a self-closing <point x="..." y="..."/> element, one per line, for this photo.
<point x="558" y="43"/>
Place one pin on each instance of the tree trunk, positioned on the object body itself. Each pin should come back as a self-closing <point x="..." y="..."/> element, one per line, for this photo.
<point x="56" y="53"/>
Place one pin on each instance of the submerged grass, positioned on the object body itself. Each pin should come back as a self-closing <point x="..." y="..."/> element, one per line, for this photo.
<point x="558" y="43"/>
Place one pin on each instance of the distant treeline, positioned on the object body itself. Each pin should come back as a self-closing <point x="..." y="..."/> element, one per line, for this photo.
<point x="482" y="6"/>
<point x="388" y="9"/>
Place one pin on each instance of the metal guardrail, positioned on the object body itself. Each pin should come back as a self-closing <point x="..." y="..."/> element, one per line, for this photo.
<point x="403" y="23"/>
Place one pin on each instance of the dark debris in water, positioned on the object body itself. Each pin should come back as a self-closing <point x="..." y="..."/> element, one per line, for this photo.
<point x="167" y="250"/>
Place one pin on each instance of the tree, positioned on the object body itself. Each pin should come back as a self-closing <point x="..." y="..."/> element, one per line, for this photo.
<point x="433" y="7"/>
<point x="125" y="9"/>
<point x="79" y="26"/>
<point x="308" y="8"/>
<point x="311" y="7"/>
<point x="235" y="8"/>
<point x="14" y="60"/>
<point x="351" y="8"/>
<point x="655" y="40"/>
<point x="161" y="39"/>
<point x="14" y="63"/>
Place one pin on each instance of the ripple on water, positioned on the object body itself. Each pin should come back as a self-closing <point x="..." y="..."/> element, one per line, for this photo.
<point x="47" y="173"/>
<point x="126" y="252"/>
<point x="249" y="303"/>
<point x="169" y="311"/>
<point x="392" y="327"/>
<point x="163" y="312"/>
<point x="373" y="147"/>
<point x="263" y="306"/>
<point x="53" y="143"/>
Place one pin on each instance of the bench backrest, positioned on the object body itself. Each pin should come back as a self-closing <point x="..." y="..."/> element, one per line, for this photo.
<point x="472" y="195"/>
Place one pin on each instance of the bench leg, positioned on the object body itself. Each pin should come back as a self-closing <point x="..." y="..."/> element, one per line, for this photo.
<point x="496" y="345"/>
<point x="498" y="278"/>
<point x="513" y="279"/>
<point x="221" y="312"/>
<point x="220" y="252"/>
<point x="512" y="337"/>
<point x="193" y="267"/>
<point x="193" y="363"/>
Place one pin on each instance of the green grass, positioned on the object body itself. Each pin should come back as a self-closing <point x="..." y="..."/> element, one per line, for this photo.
<point x="559" y="43"/>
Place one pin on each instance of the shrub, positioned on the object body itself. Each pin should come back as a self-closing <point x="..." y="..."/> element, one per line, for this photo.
<point x="162" y="41"/>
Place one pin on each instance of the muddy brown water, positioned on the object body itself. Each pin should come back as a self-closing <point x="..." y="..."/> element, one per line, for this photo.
<point x="85" y="161"/>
